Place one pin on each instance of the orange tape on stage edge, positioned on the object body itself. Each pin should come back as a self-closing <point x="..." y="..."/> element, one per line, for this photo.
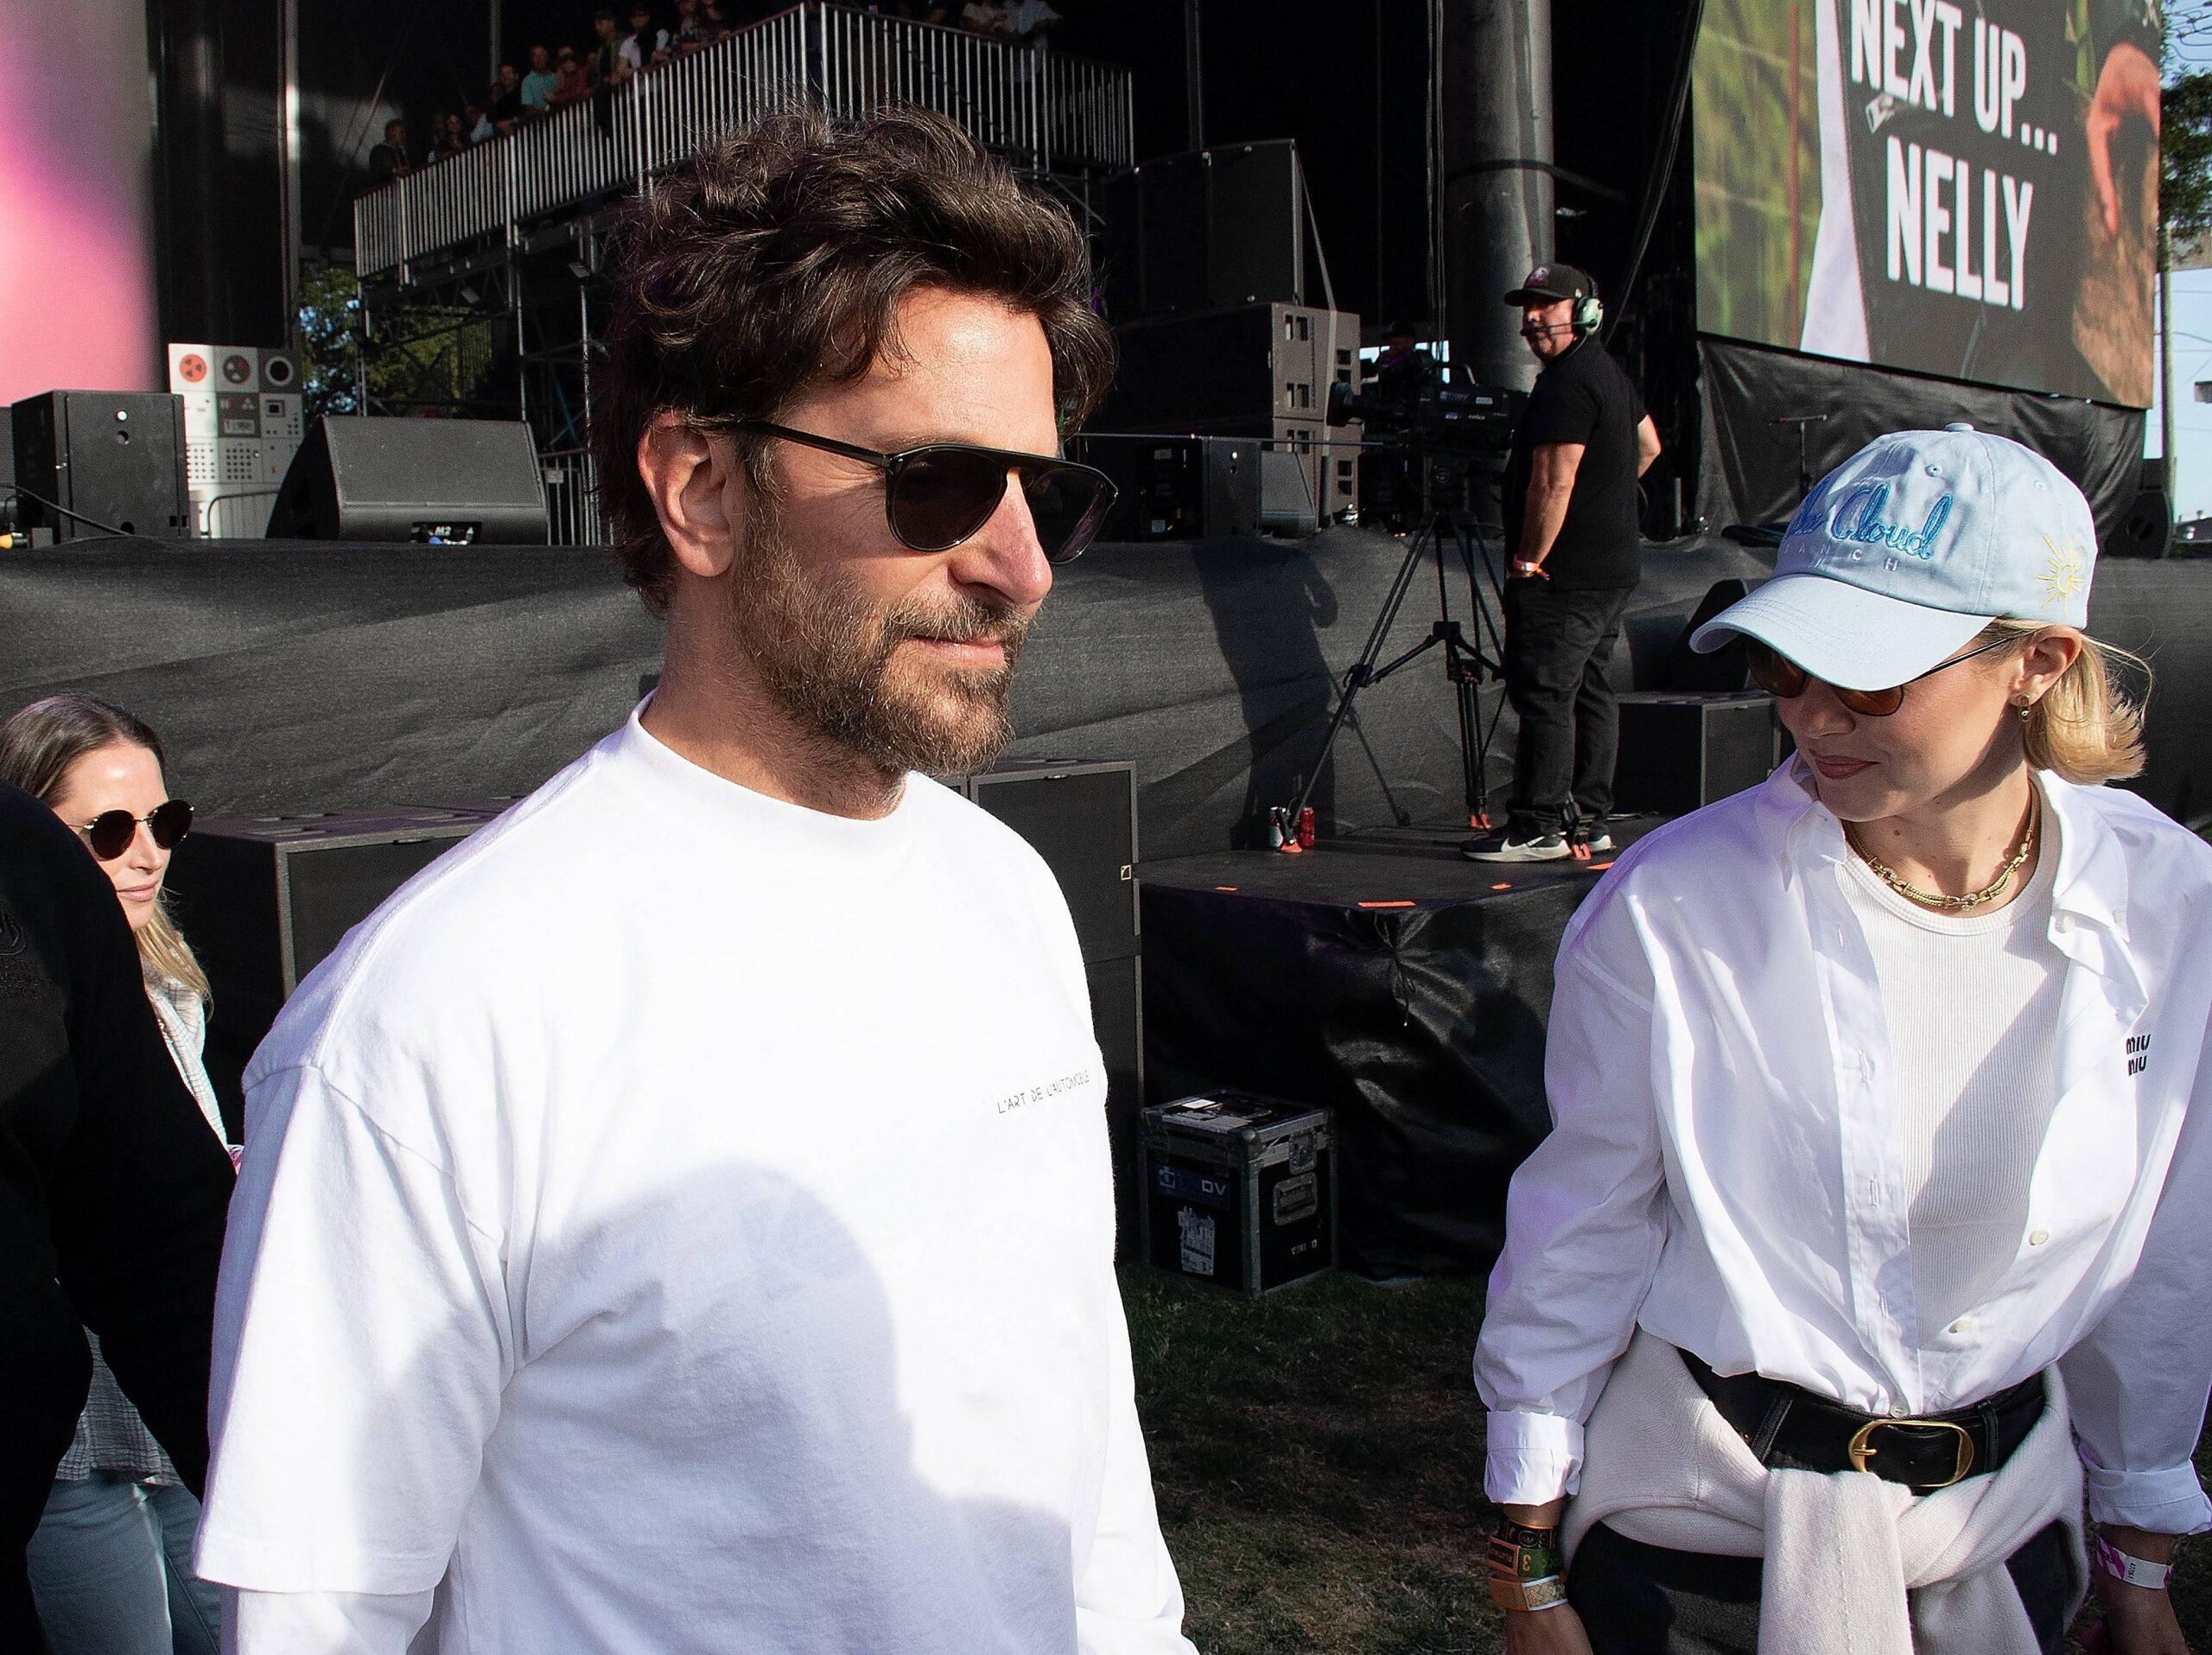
<point x="1404" y="904"/>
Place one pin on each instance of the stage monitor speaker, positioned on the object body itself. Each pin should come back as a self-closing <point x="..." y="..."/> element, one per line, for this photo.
<point x="1081" y="819"/>
<point x="1679" y="752"/>
<point x="117" y="457"/>
<point x="1725" y="670"/>
<point x="2147" y="528"/>
<point x="263" y="900"/>
<point x="436" y="482"/>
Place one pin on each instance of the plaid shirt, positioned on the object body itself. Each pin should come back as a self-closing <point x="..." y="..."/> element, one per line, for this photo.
<point x="111" y="1437"/>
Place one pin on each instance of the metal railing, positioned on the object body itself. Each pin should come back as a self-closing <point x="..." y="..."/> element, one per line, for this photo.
<point x="1045" y="110"/>
<point x="573" y="516"/>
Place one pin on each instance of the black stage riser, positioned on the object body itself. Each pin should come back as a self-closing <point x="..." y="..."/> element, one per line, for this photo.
<point x="1421" y="1028"/>
<point x="292" y="677"/>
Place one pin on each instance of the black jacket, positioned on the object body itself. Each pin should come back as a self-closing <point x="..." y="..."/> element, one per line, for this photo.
<point x="113" y="1190"/>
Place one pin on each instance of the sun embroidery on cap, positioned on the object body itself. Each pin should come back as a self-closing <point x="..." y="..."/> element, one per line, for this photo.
<point x="2063" y="578"/>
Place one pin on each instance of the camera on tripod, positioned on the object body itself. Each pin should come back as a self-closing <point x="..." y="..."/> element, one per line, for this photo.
<point x="1426" y="444"/>
<point x="1431" y="417"/>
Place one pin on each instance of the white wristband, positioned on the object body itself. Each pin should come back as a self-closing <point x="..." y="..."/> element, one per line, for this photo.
<point x="2136" y="1571"/>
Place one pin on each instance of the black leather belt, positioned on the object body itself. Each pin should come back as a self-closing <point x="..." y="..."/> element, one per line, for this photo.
<point x="1786" y="1424"/>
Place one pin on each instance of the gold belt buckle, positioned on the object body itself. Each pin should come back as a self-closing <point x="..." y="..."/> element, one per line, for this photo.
<point x="1860" y="1449"/>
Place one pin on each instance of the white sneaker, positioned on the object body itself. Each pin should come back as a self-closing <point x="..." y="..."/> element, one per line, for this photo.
<point x="1599" y="843"/>
<point x="1500" y="847"/>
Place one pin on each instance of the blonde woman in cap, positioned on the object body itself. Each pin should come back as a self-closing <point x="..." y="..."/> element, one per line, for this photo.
<point x="1874" y="1213"/>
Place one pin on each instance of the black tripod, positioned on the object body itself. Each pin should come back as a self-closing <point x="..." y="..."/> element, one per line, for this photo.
<point x="1464" y="663"/>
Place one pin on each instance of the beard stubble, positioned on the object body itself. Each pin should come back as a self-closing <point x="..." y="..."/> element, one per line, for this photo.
<point x="826" y="652"/>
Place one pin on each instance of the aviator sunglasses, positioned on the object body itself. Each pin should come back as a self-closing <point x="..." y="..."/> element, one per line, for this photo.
<point x="1780" y="676"/>
<point x="111" y="832"/>
<point x="940" y="494"/>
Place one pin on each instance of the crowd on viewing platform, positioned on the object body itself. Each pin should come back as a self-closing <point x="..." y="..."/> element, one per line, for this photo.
<point x="638" y="39"/>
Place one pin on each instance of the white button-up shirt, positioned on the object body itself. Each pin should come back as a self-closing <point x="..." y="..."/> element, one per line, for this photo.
<point x="1724" y="1167"/>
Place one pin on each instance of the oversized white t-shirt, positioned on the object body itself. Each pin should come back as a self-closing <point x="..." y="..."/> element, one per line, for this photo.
<point x="680" y="1221"/>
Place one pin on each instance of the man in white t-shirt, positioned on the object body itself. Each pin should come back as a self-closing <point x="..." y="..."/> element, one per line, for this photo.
<point x="680" y="1220"/>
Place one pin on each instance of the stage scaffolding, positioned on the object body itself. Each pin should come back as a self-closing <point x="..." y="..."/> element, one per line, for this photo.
<point x="510" y="231"/>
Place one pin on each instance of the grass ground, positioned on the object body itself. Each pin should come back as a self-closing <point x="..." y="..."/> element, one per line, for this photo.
<point x="1318" y="1458"/>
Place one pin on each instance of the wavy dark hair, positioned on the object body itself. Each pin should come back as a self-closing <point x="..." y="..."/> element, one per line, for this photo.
<point x="775" y="261"/>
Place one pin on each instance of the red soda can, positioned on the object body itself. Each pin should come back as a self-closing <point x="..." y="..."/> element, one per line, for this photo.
<point x="1305" y="827"/>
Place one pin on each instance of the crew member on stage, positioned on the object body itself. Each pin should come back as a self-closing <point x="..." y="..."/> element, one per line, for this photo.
<point x="681" y="1219"/>
<point x="1872" y="1215"/>
<point x="1570" y="505"/>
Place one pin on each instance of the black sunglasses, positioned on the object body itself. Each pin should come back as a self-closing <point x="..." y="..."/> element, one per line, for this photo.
<point x="940" y="494"/>
<point x="111" y="832"/>
<point x="1778" y="675"/>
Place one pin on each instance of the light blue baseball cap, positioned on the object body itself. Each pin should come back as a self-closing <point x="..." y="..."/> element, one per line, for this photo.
<point x="1910" y="548"/>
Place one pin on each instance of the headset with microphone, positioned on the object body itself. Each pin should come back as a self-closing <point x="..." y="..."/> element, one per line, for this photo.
<point x="1588" y="314"/>
<point x="1589" y="311"/>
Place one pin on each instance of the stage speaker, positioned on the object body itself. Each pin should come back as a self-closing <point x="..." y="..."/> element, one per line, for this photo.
<point x="1117" y="1022"/>
<point x="115" y="456"/>
<point x="262" y="899"/>
<point x="2147" y="529"/>
<point x="1723" y="671"/>
<point x="1681" y="751"/>
<point x="1081" y="819"/>
<point x="1324" y="489"/>
<point x="1249" y="361"/>
<point x="432" y="481"/>
<point x="1188" y="487"/>
<point x="1205" y="229"/>
<point x="1257" y="245"/>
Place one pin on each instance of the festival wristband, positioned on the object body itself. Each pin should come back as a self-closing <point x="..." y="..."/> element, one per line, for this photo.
<point x="1527" y="1566"/>
<point x="2121" y="1566"/>
<point x="1549" y="1593"/>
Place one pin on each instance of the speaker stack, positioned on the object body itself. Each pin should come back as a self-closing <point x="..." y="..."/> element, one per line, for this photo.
<point x="1207" y="274"/>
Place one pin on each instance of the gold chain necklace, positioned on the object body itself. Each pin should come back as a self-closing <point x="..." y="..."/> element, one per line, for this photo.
<point x="1890" y="876"/>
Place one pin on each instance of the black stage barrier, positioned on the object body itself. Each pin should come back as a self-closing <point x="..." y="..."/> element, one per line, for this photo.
<point x="298" y="677"/>
<point x="289" y="678"/>
<point x="1403" y="986"/>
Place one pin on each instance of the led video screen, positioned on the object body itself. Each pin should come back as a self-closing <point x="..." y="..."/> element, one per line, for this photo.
<point x="1966" y="188"/>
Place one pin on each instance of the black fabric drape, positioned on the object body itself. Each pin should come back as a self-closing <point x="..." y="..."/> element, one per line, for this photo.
<point x="1751" y="462"/>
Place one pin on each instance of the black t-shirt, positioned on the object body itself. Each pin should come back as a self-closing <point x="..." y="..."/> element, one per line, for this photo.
<point x="1583" y="396"/>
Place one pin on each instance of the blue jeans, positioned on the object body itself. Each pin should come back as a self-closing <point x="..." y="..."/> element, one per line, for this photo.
<point x="110" y="1568"/>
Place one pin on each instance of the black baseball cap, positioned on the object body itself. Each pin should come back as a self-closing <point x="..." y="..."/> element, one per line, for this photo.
<point x="1547" y="283"/>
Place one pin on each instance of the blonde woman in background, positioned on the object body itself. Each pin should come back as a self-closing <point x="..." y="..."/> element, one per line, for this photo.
<point x="1871" y="1226"/>
<point x="110" y="1563"/>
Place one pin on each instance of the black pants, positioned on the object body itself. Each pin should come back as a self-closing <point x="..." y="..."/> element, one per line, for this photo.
<point x="1640" y="1600"/>
<point x="1557" y="644"/>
